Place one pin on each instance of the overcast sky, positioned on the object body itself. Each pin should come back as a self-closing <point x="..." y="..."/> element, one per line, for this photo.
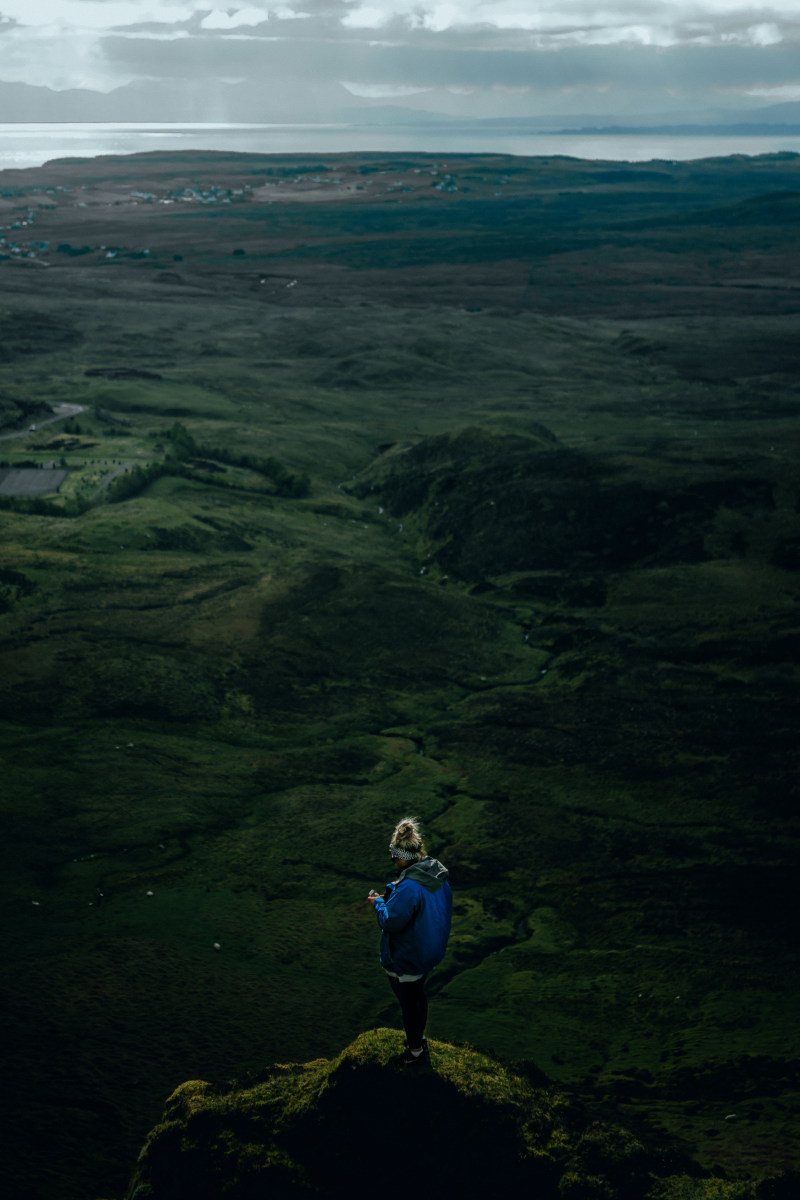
<point x="481" y="57"/>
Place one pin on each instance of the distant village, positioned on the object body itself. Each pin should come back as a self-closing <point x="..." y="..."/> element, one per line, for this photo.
<point x="13" y="243"/>
<point x="16" y="244"/>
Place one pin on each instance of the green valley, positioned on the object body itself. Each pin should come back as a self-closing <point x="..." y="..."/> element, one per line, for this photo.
<point x="463" y="487"/>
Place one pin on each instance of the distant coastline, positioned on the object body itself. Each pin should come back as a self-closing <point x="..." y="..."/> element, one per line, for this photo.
<point x="30" y="144"/>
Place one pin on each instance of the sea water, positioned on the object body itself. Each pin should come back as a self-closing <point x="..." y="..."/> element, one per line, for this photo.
<point x="31" y="145"/>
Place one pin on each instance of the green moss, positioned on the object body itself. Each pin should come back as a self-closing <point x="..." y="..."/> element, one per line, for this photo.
<point x="331" y="1126"/>
<point x="682" y="1187"/>
<point x="335" y="1124"/>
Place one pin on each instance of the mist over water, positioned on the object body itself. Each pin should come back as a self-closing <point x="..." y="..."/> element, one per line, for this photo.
<point x="31" y="145"/>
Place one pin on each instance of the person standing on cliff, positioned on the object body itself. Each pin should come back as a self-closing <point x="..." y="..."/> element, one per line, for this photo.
<point x="414" y="916"/>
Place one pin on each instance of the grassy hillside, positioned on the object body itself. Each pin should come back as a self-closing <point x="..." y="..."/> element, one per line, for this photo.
<point x="541" y="591"/>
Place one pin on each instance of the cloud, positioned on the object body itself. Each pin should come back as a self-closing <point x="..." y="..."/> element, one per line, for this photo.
<point x="233" y="19"/>
<point x="95" y="14"/>
<point x="381" y="91"/>
<point x="644" y="21"/>
<point x="442" y="64"/>
<point x="648" y="22"/>
<point x="780" y="92"/>
<point x="633" y="51"/>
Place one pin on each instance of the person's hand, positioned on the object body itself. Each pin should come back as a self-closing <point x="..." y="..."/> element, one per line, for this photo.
<point x="373" y="896"/>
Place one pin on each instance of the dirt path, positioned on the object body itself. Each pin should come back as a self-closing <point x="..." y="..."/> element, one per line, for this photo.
<point x="112" y="477"/>
<point x="62" y="413"/>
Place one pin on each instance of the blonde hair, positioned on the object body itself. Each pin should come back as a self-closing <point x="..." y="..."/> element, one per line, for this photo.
<point x="408" y="838"/>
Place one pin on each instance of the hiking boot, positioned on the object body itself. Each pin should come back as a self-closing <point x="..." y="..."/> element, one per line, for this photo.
<point x="407" y="1059"/>
<point x="424" y="1044"/>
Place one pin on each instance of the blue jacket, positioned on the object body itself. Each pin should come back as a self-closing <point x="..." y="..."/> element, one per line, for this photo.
<point x="414" y="918"/>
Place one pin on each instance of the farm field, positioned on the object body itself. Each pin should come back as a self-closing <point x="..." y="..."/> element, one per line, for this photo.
<point x="458" y="486"/>
<point x="24" y="481"/>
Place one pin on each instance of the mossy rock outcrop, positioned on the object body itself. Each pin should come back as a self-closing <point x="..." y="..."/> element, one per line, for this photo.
<point x="359" y="1126"/>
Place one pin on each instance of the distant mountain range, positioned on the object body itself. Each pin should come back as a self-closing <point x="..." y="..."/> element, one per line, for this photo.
<point x="144" y="102"/>
<point x="303" y="104"/>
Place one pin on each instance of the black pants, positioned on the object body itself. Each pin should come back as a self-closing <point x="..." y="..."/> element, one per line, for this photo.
<point x="414" y="1007"/>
